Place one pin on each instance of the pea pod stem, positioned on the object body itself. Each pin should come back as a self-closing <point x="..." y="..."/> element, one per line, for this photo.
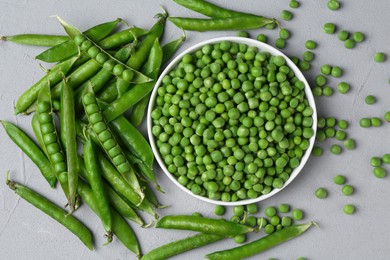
<point x="261" y="244"/>
<point x="181" y="246"/>
<point x="205" y="225"/>
<point x="221" y="24"/>
<point x="54" y="211"/>
<point x="28" y="146"/>
<point x="36" y="39"/>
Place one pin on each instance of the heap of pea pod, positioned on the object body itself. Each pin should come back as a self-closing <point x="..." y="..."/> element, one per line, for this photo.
<point x="88" y="90"/>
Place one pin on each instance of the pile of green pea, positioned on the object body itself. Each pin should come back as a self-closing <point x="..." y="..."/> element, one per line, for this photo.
<point x="231" y="122"/>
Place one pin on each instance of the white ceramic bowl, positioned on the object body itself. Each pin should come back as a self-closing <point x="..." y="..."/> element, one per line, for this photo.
<point x="261" y="47"/>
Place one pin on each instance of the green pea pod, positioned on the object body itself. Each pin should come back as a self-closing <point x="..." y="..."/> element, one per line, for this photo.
<point x="103" y="76"/>
<point x="54" y="76"/>
<point x="51" y="141"/>
<point x="77" y="77"/>
<point x="209" y="9"/>
<point x="121" y="229"/>
<point x="221" y="24"/>
<point x="55" y="212"/>
<point x="68" y="134"/>
<point x="261" y="244"/>
<point x="36" y="39"/>
<point x="171" y="48"/>
<point x="180" y="246"/>
<point x="122" y="38"/>
<point x="126" y="72"/>
<point x="133" y="140"/>
<point x="141" y="55"/>
<point x="31" y="150"/>
<point x="68" y="48"/>
<point x="204" y="225"/>
<point x="116" y="201"/>
<point x="152" y="69"/>
<point x="109" y="93"/>
<point x="96" y="182"/>
<point x="130" y="98"/>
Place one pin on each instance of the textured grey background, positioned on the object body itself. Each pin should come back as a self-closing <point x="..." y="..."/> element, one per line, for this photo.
<point x="25" y="233"/>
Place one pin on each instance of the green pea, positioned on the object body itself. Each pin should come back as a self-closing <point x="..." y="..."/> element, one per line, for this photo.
<point x="321" y="193"/>
<point x="297" y="214"/>
<point x="252" y="208"/>
<point x="240" y="239"/>
<point x="386" y="158"/>
<point x="349" y="209"/>
<point x="86" y="45"/>
<point x="238" y="210"/>
<point x="358" y="37"/>
<point x="251" y="221"/>
<point x="350" y="144"/>
<point x="343" y="35"/>
<point x="333" y="5"/>
<point x="376" y="122"/>
<point x="335" y="149"/>
<point x="219" y="210"/>
<point x="284" y="33"/>
<point x="284" y="208"/>
<point x="343" y="124"/>
<point x="270" y="212"/>
<point x="347" y="190"/>
<point x="379" y="172"/>
<point x="343" y="87"/>
<point x="310" y="44"/>
<point x="379" y="57"/>
<point x="308" y="56"/>
<point x="280" y="43"/>
<point x="294" y="4"/>
<point x="286" y="221"/>
<point x="286" y="15"/>
<point x="79" y="39"/>
<point x="262" y="38"/>
<point x="101" y="58"/>
<point x="317" y="151"/>
<point x="269" y="229"/>
<point x="93" y="51"/>
<point x="375" y="161"/>
<point x="339" y="179"/>
<point x="365" y="122"/>
<point x="127" y="75"/>
<point x="349" y="44"/>
<point x="329" y="28"/>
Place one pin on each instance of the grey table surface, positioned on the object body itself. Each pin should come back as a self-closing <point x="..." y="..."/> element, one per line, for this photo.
<point x="26" y="233"/>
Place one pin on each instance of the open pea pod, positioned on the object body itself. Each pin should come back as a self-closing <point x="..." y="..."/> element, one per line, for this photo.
<point x="103" y="58"/>
<point x="67" y="49"/>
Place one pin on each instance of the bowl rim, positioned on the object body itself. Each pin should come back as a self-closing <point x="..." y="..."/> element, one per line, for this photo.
<point x="261" y="47"/>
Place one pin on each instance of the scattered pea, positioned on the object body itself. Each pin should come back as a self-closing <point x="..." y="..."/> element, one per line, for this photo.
<point x="343" y="87"/>
<point x="375" y="161"/>
<point x="339" y="179"/>
<point x="310" y="44"/>
<point x="370" y="99"/>
<point x="321" y="193"/>
<point x="349" y="44"/>
<point x="379" y="172"/>
<point x="329" y="28"/>
<point x="376" y="122"/>
<point x="238" y="210"/>
<point x="379" y="57"/>
<point x="333" y="5"/>
<point x="294" y="4"/>
<point x="387" y="116"/>
<point x="284" y="33"/>
<point x="297" y="214"/>
<point x="219" y="210"/>
<point x="317" y="151"/>
<point x="262" y="37"/>
<point x="347" y="190"/>
<point x="251" y="221"/>
<point x="270" y="212"/>
<point x="336" y="72"/>
<point x="284" y="208"/>
<point x="308" y="56"/>
<point x="252" y="208"/>
<point x="280" y="43"/>
<point x="386" y="158"/>
<point x="286" y="221"/>
<point x="335" y="149"/>
<point x="326" y="69"/>
<point x="269" y="229"/>
<point x="358" y="36"/>
<point x="343" y="124"/>
<point x="286" y="15"/>
<point x="240" y="239"/>
<point x="349" y="209"/>
<point x="196" y="214"/>
<point x="327" y="91"/>
<point x="350" y="144"/>
<point x="365" y="122"/>
<point x="340" y="135"/>
<point x="343" y="35"/>
<point x="321" y="80"/>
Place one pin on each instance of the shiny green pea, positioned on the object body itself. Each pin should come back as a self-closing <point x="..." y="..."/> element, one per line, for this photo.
<point x="109" y="144"/>
<point x="91" y="109"/>
<point x="47" y="128"/>
<point x="99" y="127"/>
